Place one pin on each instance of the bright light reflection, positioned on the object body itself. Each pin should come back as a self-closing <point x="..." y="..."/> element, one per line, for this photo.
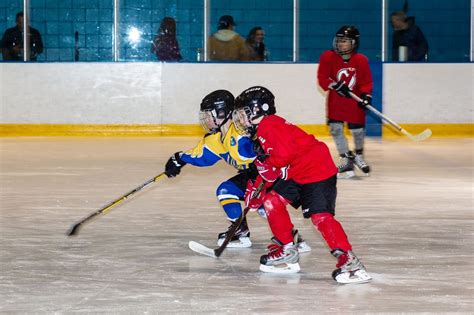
<point x="134" y="35"/>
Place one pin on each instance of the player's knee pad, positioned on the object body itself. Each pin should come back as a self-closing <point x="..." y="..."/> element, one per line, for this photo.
<point x="336" y="129"/>
<point x="318" y="219"/>
<point x="274" y="203"/>
<point x="228" y="190"/>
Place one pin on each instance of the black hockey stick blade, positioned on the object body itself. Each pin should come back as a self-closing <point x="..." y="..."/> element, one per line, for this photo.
<point x="74" y="230"/>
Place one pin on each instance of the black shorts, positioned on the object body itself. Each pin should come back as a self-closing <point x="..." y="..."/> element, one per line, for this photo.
<point x="349" y="125"/>
<point x="317" y="197"/>
<point x="241" y="179"/>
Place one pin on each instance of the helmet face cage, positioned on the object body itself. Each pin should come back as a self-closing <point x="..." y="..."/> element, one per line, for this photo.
<point x="346" y="40"/>
<point x="242" y="118"/>
<point x="216" y="110"/>
<point x="212" y="119"/>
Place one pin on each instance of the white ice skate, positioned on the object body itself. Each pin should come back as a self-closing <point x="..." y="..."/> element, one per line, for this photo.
<point x="241" y="238"/>
<point x="349" y="268"/>
<point x="280" y="258"/>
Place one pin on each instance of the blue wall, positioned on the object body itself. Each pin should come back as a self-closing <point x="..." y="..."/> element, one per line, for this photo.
<point x="446" y="25"/>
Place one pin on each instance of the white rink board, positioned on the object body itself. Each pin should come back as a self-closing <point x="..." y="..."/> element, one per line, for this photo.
<point x="429" y="93"/>
<point x="170" y="93"/>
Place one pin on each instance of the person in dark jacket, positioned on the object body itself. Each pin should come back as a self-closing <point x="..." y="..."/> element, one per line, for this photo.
<point x="407" y="34"/>
<point x="12" y="41"/>
<point x="165" y="45"/>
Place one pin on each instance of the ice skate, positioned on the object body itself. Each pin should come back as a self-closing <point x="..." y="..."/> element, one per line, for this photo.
<point x="301" y="244"/>
<point x="361" y="164"/>
<point x="349" y="268"/>
<point x="346" y="166"/>
<point x="280" y="258"/>
<point x="241" y="238"/>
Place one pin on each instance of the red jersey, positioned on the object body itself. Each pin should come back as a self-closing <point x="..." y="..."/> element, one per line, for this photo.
<point x="355" y="73"/>
<point x="302" y="156"/>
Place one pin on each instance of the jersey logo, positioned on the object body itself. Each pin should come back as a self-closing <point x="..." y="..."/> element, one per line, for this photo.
<point x="232" y="141"/>
<point x="348" y="75"/>
<point x="261" y="139"/>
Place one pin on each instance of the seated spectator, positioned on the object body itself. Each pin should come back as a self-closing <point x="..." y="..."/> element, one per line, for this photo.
<point x="12" y="41"/>
<point x="255" y="44"/>
<point x="226" y="44"/>
<point x="407" y="34"/>
<point x="165" y="45"/>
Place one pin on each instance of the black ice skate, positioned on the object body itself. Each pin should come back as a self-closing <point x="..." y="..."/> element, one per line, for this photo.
<point x="280" y="258"/>
<point x="361" y="164"/>
<point x="346" y="166"/>
<point x="240" y="239"/>
<point x="349" y="268"/>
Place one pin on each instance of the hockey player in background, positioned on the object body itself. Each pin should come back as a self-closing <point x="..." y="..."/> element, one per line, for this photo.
<point x="343" y="70"/>
<point x="302" y="173"/>
<point x="223" y="142"/>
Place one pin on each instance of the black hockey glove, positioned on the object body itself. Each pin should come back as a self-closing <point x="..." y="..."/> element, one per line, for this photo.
<point x="366" y="100"/>
<point x="174" y="165"/>
<point x="341" y="88"/>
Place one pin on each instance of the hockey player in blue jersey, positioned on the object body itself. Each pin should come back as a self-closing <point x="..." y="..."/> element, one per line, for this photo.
<point x="222" y="141"/>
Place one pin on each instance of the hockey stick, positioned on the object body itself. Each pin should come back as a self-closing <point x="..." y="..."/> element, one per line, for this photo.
<point x="425" y="134"/>
<point x="75" y="228"/>
<point x="215" y="253"/>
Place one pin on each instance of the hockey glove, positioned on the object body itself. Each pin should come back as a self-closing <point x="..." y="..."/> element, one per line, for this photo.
<point x="174" y="165"/>
<point x="366" y="100"/>
<point x="267" y="171"/>
<point x="341" y="88"/>
<point x="253" y="200"/>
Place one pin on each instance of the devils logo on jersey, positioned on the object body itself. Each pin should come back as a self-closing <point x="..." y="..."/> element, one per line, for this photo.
<point x="348" y="75"/>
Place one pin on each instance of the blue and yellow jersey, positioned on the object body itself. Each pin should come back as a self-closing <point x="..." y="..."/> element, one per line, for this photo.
<point x="235" y="149"/>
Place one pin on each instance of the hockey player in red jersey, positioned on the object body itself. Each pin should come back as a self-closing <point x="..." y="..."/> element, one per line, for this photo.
<point x="302" y="173"/>
<point x="341" y="71"/>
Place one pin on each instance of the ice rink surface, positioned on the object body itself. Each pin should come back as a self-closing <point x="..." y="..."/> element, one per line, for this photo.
<point x="411" y="223"/>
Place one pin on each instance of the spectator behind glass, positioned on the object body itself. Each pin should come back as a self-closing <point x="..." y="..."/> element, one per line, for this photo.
<point x="12" y="41"/>
<point x="407" y="34"/>
<point x="255" y="44"/>
<point x="226" y="44"/>
<point x="165" y="45"/>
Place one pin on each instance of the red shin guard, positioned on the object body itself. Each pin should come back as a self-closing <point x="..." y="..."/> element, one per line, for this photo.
<point x="331" y="230"/>
<point x="278" y="217"/>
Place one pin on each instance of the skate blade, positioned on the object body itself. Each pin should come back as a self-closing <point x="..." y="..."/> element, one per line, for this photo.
<point x="358" y="276"/>
<point x="243" y="242"/>
<point x="281" y="269"/>
<point x="346" y="175"/>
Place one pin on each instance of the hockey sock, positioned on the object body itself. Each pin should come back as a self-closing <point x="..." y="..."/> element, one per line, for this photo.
<point x="358" y="135"/>
<point x="228" y="194"/>
<point x="331" y="230"/>
<point x="337" y="132"/>
<point x="278" y="217"/>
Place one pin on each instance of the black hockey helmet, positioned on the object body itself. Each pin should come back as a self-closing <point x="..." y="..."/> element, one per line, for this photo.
<point x="216" y="110"/>
<point x="347" y="32"/>
<point x="253" y="103"/>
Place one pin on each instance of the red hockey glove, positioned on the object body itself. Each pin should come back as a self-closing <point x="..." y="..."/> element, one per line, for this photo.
<point x="267" y="171"/>
<point x="254" y="200"/>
